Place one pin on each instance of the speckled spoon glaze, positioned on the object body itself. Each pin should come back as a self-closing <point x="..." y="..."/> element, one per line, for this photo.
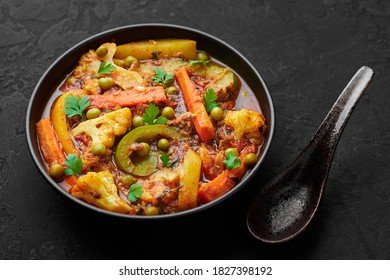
<point x="287" y="204"/>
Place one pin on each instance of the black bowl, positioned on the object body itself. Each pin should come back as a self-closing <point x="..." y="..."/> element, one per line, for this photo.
<point x="214" y="46"/>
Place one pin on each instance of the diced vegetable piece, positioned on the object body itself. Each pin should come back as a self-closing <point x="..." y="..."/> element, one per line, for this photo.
<point x="158" y="188"/>
<point x="224" y="181"/>
<point x="194" y="103"/>
<point x="147" y="49"/>
<point x="137" y="135"/>
<point x="188" y="193"/>
<point x="104" y="129"/>
<point x="89" y="65"/>
<point x="50" y="148"/>
<point x="129" y="98"/>
<point x="99" y="189"/>
<point x="144" y="166"/>
<point x="224" y="82"/>
<point x="169" y="66"/>
<point x="212" y="164"/>
<point x="60" y="122"/>
<point x="244" y="121"/>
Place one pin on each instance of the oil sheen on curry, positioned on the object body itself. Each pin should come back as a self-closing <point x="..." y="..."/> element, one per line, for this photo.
<point x="150" y="128"/>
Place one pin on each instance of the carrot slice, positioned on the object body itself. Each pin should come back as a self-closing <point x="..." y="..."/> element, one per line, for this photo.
<point x="194" y="103"/>
<point x="224" y="181"/>
<point x="50" y="148"/>
<point x="129" y="98"/>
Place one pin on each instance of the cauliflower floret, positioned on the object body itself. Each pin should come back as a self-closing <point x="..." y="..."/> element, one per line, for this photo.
<point x="100" y="190"/>
<point x="103" y="130"/>
<point x="244" y="121"/>
<point x="89" y="64"/>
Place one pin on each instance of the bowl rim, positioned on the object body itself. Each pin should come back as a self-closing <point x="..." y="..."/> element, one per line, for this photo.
<point x="201" y="208"/>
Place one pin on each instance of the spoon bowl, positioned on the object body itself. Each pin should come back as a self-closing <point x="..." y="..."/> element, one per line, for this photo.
<point x="287" y="204"/>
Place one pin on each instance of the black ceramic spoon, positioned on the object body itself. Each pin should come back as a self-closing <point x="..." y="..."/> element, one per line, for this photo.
<point x="287" y="204"/>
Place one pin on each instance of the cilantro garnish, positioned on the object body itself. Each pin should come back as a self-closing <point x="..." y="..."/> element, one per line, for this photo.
<point x="166" y="160"/>
<point x="135" y="192"/>
<point x="106" y="68"/>
<point x="232" y="161"/>
<point x="74" y="163"/>
<point x="198" y="62"/>
<point x="75" y="106"/>
<point x="161" y="77"/>
<point x="151" y="113"/>
<point x="210" y="99"/>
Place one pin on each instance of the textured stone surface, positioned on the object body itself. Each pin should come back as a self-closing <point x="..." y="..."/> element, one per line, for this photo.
<point x="306" y="52"/>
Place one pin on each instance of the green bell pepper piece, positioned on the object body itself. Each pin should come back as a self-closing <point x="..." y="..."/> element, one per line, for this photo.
<point x="145" y="133"/>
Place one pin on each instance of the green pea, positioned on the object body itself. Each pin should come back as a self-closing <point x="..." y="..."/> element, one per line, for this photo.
<point x="102" y="51"/>
<point x="93" y="113"/>
<point x="145" y="150"/>
<point x="217" y="114"/>
<point x="99" y="149"/>
<point x="172" y="90"/>
<point x="234" y="151"/>
<point x="56" y="171"/>
<point x="128" y="179"/>
<point x="138" y="121"/>
<point x="202" y="56"/>
<point x="130" y="60"/>
<point x="250" y="159"/>
<point x="168" y="112"/>
<point x="163" y="144"/>
<point x="105" y="83"/>
<point x="151" y="211"/>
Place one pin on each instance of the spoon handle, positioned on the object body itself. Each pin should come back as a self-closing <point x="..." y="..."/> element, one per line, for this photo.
<point x="333" y="125"/>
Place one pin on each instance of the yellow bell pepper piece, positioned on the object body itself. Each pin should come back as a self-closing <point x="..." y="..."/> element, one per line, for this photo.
<point x="60" y="125"/>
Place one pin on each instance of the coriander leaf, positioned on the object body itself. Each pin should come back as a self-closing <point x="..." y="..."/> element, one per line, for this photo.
<point x="74" y="163"/>
<point x="199" y="62"/>
<point x="232" y="161"/>
<point x="161" y="77"/>
<point x="166" y="160"/>
<point x="169" y="77"/>
<point x="75" y="106"/>
<point x="161" y="120"/>
<point x="106" y="68"/>
<point x="135" y="192"/>
<point x="84" y="103"/>
<point x="210" y="99"/>
<point x="151" y="113"/>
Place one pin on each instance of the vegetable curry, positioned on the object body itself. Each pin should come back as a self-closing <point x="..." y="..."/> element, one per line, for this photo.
<point x="150" y="128"/>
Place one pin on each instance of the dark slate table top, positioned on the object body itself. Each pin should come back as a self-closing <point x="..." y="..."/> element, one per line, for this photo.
<point x="306" y="52"/>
